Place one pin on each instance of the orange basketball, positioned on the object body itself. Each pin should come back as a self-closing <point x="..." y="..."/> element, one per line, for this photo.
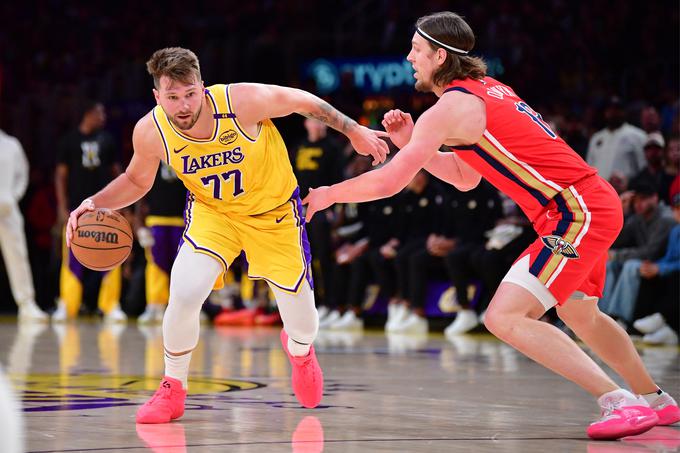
<point x="102" y="240"/>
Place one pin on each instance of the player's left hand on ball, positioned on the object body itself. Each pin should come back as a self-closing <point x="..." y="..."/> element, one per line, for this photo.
<point x="367" y="142"/>
<point x="72" y="223"/>
<point x="317" y="200"/>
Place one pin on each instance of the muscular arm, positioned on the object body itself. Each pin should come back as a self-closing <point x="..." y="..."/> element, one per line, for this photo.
<point x="254" y="103"/>
<point x="437" y="125"/>
<point x="443" y="122"/>
<point x="450" y="168"/>
<point x="139" y="176"/>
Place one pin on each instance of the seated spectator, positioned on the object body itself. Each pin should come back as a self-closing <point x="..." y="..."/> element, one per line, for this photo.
<point x="643" y="237"/>
<point x="465" y="219"/>
<point x="464" y="263"/>
<point x="488" y="263"/>
<point x="655" y="172"/>
<point x="419" y="205"/>
<point x="660" y="291"/>
<point x="616" y="151"/>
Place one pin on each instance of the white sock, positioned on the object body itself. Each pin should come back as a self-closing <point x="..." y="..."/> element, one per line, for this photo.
<point x="296" y="349"/>
<point x="191" y="281"/>
<point x="177" y="366"/>
<point x="651" y="397"/>
<point x="300" y="318"/>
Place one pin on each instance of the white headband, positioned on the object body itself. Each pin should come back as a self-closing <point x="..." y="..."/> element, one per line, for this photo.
<point x="441" y="44"/>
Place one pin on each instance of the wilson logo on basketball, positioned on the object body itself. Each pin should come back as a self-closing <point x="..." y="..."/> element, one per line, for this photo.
<point x="229" y="136"/>
<point x="99" y="236"/>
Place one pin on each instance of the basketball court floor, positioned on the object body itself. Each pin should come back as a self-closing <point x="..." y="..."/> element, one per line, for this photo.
<point x="81" y="383"/>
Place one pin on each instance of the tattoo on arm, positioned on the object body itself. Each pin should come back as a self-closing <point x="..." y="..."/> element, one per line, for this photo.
<point x="330" y="116"/>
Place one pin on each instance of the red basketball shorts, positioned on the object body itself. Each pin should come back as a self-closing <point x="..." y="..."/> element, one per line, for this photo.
<point x="569" y="258"/>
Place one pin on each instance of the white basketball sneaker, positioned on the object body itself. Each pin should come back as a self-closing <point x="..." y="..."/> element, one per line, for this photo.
<point x="465" y="321"/>
<point x="412" y="324"/>
<point x="664" y="336"/>
<point x="153" y="314"/>
<point x="329" y="319"/>
<point x="115" y="315"/>
<point x="650" y="324"/>
<point x="30" y="312"/>
<point x="396" y="313"/>
<point x="60" y="314"/>
<point x="348" y="321"/>
<point x="323" y="312"/>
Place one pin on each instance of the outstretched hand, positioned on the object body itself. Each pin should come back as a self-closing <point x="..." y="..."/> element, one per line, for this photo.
<point x="368" y="142"/>
<point x="399" y="126"/>
<point x="72" y="223"/>
<point x="317" y="200"/>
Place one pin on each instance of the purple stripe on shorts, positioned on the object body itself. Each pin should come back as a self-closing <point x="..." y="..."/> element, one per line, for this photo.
<point x="165" y="246"/>
<point x="74" y="265"/>
<point x="303" y="236"/>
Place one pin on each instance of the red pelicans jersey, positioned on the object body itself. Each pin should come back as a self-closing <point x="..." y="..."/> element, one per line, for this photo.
<point x="519" y="153"/>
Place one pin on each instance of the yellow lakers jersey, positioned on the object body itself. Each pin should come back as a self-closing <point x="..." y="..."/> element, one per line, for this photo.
<point x="231" y="172"/>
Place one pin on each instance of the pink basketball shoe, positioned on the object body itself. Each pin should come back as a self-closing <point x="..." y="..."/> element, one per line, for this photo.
<point x="622" y="415"/>
<point x="667" y="410"/>
<point x="165" y="405"/>
<point x="307" y="376"/>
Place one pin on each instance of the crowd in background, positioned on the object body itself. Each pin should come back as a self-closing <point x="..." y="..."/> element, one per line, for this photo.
<point x="606" y="80"/>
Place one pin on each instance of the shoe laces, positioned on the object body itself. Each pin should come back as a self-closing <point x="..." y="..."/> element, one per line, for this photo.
<point x="163" y="392"/>
<point x="609" y="406"/>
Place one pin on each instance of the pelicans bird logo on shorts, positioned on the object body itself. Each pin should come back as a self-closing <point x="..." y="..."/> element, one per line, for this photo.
<point x="560" y="247"/>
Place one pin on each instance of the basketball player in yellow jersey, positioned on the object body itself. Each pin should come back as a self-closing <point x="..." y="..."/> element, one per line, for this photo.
<point x="242" y="196"/>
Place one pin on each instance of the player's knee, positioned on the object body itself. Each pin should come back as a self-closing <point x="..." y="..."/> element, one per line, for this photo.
<point x="303" y="331"/>
<point x="578" y="315"/>
<point x="184" y="295"/>
<point x="497" y="322"/>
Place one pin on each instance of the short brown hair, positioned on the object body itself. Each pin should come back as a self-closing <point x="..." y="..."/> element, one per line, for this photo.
<point x="450" y="28"/>
<point x="174" y="62"/>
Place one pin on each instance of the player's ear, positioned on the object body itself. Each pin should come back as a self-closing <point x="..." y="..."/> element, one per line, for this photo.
<point x="441" y="56"/>
<point x="157" y="96"/>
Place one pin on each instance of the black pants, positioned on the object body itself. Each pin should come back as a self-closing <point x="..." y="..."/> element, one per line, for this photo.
<point x="660" y="295"/>
<point x="423" y="267"/>
<point x="349" y="283"/>
<point x="460" y="270"/>
<point x="392" y="275"/>
<point x="319" y="235"/>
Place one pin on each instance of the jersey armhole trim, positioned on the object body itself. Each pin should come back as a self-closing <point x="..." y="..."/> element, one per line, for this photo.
<point x="234" y="118"/>
<point x="160" y="133"/>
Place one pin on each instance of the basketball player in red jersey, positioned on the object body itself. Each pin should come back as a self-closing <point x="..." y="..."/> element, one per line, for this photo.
<point x="488" y="131"/>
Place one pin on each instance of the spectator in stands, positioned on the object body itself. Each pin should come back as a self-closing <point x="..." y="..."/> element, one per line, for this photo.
<point x="465" y="218"/>
<point x="350" y="230"/>
<point x="650" y="120"/>
<point x="660" y="291"/>
<point x="488" y="264"/>
<point x="318" y="161"/>
<point x="617" y="150"/>
<point x="160" y="223"/>
<point x="672" y="158"/>
<point x="381" y="219"/>
<point x="655" y="172"/>
<point x="485" y="210"/>
<point x="86" y="162"/>
<point x="643" y="238"/>
<point x="420" y="206"/>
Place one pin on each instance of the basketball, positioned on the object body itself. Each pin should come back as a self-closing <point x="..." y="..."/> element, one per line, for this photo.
<point x="102" y="240"/>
